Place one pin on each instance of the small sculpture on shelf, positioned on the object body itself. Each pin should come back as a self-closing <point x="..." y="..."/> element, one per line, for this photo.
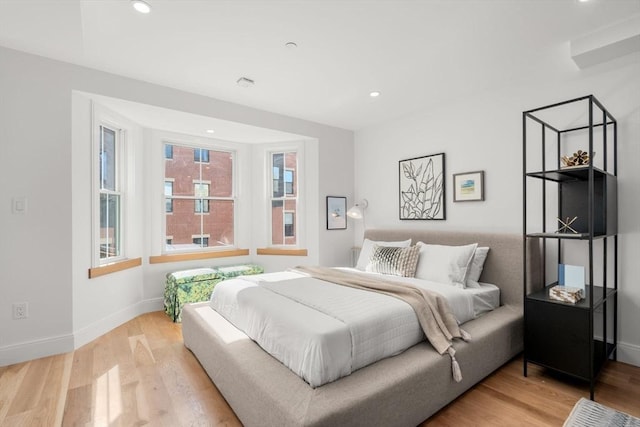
<point x="566" y="225"/>
<point x="579" y="158"/>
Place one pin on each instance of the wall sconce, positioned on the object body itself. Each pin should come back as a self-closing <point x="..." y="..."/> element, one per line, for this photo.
<point x="357" y="211"/>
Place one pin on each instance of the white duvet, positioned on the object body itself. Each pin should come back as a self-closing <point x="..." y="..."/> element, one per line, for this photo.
<point x="323" y="331"/>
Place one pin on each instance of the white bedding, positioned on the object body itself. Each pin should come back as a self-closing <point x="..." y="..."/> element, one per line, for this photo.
<point x="323" y="331"/>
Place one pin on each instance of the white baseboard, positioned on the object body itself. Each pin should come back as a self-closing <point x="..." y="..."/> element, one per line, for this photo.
<point x="629" y="353"/>
<point x="22" y="352"/>
<point x="106" y="324"/>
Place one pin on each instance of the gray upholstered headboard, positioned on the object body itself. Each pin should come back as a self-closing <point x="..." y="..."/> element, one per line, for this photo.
<point x="503" y="267"/>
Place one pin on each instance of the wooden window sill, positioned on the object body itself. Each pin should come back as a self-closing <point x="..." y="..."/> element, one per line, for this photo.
<point x="158" y="259"/>
<point x="279" y="251"/>
<point x="114" y="267"/>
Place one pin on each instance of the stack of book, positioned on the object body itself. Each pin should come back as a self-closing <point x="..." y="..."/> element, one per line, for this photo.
<point x="566" y="294"/>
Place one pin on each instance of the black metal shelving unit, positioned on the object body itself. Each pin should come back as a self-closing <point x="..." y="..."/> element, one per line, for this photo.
<point x="563" y="336"/>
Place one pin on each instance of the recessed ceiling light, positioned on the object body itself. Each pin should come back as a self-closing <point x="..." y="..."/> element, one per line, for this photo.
<point x="374" y="94"/>
<point x="245" y="82"/>
<point x="141" y="6"/>
<point x="291" y="45"/>
<point x="210" y="131"/>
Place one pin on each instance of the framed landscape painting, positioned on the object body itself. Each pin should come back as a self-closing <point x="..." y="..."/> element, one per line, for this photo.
<point x="336" y="213"/>
<point x="422" y="189"/>
<point x="468" y="187"/>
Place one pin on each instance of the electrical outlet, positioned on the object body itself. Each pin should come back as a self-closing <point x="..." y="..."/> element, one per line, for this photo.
<point x="20" y="310"/>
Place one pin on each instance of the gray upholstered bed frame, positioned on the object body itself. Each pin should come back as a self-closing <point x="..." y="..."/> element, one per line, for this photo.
<point x="403" y="390"/>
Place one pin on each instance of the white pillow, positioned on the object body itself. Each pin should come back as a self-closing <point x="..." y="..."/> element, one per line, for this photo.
<point x="445" y="264"/>
<point x="367" y="250"/>
<point x="477" y="264"/>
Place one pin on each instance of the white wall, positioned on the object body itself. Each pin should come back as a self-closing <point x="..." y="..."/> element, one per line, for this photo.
<point x="484" y="132"/>
<point x="42" y="257"/>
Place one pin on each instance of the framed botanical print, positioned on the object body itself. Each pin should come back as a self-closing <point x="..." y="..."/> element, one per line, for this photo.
<point x="422" y="189"/>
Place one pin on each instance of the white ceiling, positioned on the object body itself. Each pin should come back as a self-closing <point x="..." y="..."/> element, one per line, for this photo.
<point x="419" y="54"/>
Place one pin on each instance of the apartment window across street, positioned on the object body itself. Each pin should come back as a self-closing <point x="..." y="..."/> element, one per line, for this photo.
<point x="200" y="155"/>
<point x="284" y="198"/>
<point x="288" y="181"/>
<point x="289" y="221"/>
<point x="110" y="234"/>
<point x="168" y="151"/>
<point x="201" y="241"/>
<point x="202" y="204"/>
<point x="202" y="199"/>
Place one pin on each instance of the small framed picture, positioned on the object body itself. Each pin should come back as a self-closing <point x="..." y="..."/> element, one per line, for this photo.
<point x="468" y="186"/>
<point x="336" y="213"/>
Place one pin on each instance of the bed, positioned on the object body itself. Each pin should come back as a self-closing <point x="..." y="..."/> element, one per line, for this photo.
<point x="402" y="390"/>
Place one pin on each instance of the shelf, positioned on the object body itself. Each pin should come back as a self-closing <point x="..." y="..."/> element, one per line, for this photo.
<point x="580" y="173"/>
<point x="569" y="236"/>
<point x="598" y="296"/>
<point x="560" y="335"/>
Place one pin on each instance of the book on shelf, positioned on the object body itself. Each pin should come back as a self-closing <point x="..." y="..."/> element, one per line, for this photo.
<point x="571" y="276"/>
<point x="566" y="294"/>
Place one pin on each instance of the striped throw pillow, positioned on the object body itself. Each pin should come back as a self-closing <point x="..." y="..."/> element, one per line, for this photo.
<point x="394" y="260"/>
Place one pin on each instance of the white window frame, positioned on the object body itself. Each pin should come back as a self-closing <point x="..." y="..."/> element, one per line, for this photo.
<point x="214" y="146"/>
<point x="101" y="118"/>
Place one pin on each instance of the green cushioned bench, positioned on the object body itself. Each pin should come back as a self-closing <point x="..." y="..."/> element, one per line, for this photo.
<point x="196" y="285"/>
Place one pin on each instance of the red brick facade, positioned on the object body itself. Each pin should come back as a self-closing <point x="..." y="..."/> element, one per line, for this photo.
<point x="214" y="178"/>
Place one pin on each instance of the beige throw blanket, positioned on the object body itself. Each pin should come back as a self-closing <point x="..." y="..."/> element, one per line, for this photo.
<point x="436" y="319"/>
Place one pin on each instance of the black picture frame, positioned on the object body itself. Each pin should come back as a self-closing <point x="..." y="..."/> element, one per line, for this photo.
<point x="336" y="213"/>
<point x="422" y="188"/>
<point x="468" y="186"/>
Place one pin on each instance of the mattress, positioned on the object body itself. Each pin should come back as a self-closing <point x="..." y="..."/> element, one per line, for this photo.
<point x="323" y="331"/>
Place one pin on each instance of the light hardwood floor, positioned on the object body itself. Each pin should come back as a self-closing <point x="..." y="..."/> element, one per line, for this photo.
<point x="141" y="374"/>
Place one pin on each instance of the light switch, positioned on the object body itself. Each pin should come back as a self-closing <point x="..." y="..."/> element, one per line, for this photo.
<point x="19" y="205"/>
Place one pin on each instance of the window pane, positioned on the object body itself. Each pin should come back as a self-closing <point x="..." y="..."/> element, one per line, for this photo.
<point x="278" y="174"/>
<point x="182" y="225"/>
<point x="219" y="223"/>
<point x="197" y="176"/>
<point x="277" y="226"/>
<point x="168" y="151"/>
<point x="185" y="223"/>
<point x="109" y="226"/>
<point x="290" y="167"/>
<point x="284" y="187"/>
<point x="183" y="170"/>
<point x="107" y="159"/>
<point x="220" y="174"/>
<point x="290" y="209"/>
